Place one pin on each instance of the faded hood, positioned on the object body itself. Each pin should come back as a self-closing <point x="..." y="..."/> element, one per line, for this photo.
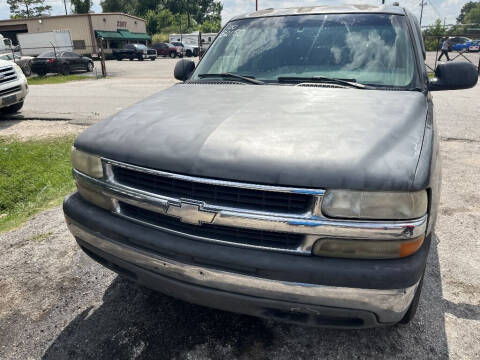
<point x="282" y="135"/>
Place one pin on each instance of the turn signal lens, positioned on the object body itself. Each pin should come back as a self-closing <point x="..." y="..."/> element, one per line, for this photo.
<point x="88" y="164"/>
<point x="366" y="249"/>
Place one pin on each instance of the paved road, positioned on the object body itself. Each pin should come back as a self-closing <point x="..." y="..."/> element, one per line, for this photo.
<point x="70" y="107"/>
<point x="57" y="303"/>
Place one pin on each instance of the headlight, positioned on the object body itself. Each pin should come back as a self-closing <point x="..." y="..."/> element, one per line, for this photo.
<point x="90" y="165"/>
<point x="18" y="69"/>
<point x="374" y="205"/>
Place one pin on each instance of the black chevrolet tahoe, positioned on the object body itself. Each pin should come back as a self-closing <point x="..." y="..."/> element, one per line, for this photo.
<point x="293" y="174"/>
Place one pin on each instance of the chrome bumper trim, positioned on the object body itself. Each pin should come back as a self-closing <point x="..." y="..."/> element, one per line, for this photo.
<point x="308" y="224"/>
<point x="388" y="305"/>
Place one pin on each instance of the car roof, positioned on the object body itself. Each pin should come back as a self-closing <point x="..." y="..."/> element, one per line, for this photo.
<point x="325" y="9"/>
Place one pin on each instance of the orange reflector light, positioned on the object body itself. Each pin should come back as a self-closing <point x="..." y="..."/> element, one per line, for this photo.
<point x="366" y="249"/>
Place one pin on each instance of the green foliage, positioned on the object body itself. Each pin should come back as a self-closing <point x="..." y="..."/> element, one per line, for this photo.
<point x="28" y="8"/>
<point x="33" y="176"/>
<point x="211" y="26"/>
<point x="465" y="10"/>
<point x="55" y="79"/>
<point x="431" y="35"/>
<point x="170" y="16"/>
<point x="157" y="38"/>
<point x="81" y="6"/>
<point x="473" y="16"/>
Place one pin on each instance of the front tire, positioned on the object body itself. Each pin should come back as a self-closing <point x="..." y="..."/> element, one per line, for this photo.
<point x="189" y="53"/>
<point x="12" y="108"/>
<point x="89" y="67"/>
<point x="65" y="70"/>
<point x="173" y="55"/>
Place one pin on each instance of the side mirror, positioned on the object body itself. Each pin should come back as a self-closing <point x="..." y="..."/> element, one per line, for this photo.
<point x="454" y="76"/>
<point x="183" y="69"/>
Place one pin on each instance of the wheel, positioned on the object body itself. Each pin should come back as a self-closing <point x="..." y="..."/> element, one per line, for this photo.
<point x="12" y="108"/>
<point x="153" y="59"/>
<point x="41" y="73"/>
<point x="131" y="58"/>
<point x="27" y="71"/>
<point x="173" y="55"/>
<point x="65" y="70"/>
<point x="189" y="53"/>
<point x="90" y="67"/>
<point x="119" y="58"/>
<point x="412" y="310"/>
<point x="140" y="58"/>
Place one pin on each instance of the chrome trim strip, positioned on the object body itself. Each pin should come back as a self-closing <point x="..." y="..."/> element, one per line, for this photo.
<point x="307" y="224"/>
<point x="318" y="192"/>
<point x="388" y="305"/>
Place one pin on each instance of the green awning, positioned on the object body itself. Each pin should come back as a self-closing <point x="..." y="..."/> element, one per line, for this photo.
<point x="108" y="35"/>
<point x="121" y="35"/>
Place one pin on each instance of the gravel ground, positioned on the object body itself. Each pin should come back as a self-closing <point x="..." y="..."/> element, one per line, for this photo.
<point x="57" y="303"/>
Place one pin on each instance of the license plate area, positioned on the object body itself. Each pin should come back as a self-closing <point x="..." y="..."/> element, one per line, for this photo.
<point x="9" y="100"/>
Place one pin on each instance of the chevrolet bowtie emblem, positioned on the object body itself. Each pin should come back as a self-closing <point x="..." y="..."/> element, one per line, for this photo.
<point x="191" y="213"/>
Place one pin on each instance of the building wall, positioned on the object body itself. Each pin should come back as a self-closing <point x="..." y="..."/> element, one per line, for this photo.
<point x="79" y="26"/>
<point x="116" y="22"/>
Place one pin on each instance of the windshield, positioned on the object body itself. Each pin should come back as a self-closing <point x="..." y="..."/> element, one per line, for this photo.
<point x="141" y="47"/>
<point x="371" y="49"/>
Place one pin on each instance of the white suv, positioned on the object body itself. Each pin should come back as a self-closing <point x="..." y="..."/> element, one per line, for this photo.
<point x="13" y="87"/>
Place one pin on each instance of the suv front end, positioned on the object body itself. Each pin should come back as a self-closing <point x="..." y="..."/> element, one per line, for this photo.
<point x="215" y="243"/>
<point x="13" y="86"/>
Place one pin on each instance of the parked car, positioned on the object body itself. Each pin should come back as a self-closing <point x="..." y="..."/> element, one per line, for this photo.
<point x="307" y="192"/>
<point x="460" y="43"/>
<point x="475" y="46"/>
<point x="166" y="49"/>
<point x="25" y="62"/>
<point x="187" y="50"/>
<point x="13" y="87"/>
<point x="135" y="51"/>
<point x="61" y="62"/>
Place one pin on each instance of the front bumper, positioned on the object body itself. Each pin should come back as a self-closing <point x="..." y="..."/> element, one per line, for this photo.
<point x="17" y="88"/>
<point x="309" y="290"/>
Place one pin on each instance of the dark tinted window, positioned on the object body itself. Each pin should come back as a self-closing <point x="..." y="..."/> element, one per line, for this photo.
<point x="47" y="54"/>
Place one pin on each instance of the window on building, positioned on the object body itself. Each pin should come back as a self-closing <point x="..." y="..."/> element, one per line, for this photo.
<point x="79" y="44"/>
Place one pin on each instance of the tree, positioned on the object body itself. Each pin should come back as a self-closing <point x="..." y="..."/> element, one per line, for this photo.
<point x="473" y="16"/>
<point x="432" y="35"/>
<point x="465" y="9"/>
<point x="210" y="26"/>
<point x="28" y="8"/>
<point x="124" y="6"/>
<point x="81" y="6"/>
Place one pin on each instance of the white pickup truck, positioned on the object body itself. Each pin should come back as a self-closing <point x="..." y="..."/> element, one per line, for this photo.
<point x="13" y="87"/>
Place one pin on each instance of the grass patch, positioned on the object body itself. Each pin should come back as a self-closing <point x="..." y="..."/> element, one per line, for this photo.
<point x="34" y="175"/>
<point x="55" y="79"/>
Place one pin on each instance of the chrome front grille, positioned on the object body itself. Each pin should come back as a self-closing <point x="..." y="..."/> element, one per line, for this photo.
<point x="220" y="195"/>
<point x="227" y="234"/>
<point x="232" y="213"/>
<point x="7" y="74"/>
<point x="10" y="90"/>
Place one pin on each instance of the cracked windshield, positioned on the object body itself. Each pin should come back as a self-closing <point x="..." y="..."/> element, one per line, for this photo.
<point x="373" y="49"/>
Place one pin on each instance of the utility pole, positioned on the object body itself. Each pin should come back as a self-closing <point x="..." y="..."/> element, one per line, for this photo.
<point x="65" y="4"/>
<point x="421" y="11"/>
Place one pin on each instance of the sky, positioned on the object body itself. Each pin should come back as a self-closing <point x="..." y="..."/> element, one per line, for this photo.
<point x="446" y="10"/>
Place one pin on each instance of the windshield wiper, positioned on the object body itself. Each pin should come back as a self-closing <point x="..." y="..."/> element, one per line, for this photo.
<point x="249" y="79"/>
<point x="323" y="79"/>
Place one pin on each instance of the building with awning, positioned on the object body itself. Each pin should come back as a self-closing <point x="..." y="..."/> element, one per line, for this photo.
<point x="116" y="29"/>
<point x="116" y="39"/>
